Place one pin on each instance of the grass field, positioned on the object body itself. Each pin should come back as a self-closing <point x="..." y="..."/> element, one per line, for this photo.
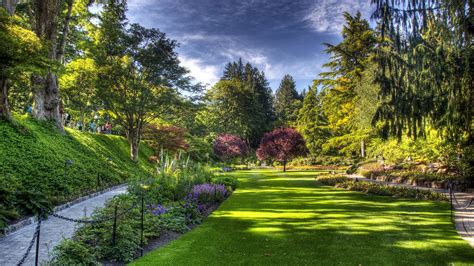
<point x="287" y="219"/>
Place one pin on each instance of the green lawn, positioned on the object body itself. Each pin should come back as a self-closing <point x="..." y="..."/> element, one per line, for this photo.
<point x="286" y="219"/>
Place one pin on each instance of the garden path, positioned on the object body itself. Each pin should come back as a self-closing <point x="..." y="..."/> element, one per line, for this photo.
<point x="53" y="230"/>
<point x="463" y="218"/>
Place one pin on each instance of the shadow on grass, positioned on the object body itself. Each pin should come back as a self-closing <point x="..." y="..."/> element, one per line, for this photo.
<point x="286" y="219"/>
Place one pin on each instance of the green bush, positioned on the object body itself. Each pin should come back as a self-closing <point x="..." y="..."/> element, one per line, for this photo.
<point x="174" y="180"/>
<point x="173" y="220"/>
<point x="228" y="181"/>
<point x="70" y="252"/>
<point x="331" y="180"/>
<point x="411" y="176"/>
<point x="396" y="191"/>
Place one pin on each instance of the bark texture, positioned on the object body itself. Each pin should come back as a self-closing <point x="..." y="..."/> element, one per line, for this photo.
<point x="134" y="140"/>
<point x="45" y="88"/>
<point x="4" y="106"/>
<point x="9" y="6"/>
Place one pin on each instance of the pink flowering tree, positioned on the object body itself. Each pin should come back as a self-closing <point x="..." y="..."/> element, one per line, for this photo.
<point x="228" y="146"/>
<point x="282" y="145"/>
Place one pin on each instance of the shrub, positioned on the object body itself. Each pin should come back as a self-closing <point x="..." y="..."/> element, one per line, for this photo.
<point x="331" y="180"/>
<point x="228" y="181"/>
<point x="396" y="191"/>
<point x="208" y="193"/>
<point x="70" y="252"/>
<point x="173" y="220"/>
<point x="170" y="215"/>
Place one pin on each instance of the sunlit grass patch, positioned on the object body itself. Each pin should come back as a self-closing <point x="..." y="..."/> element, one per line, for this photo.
<point x="278" y="218"/>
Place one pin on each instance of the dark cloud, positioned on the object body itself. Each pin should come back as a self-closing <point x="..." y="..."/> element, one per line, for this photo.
<point x="278" y="36"/>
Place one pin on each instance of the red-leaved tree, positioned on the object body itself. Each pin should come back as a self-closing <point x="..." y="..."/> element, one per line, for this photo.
<point x="228" y="146"/>
<point x="282" y="145"/>
<point x="168" y="138"/>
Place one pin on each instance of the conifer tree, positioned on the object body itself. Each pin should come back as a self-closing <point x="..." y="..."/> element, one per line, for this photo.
<point x="260" y="105"/>
<point x="426" y="67"/>
<point x="348" y="61"/>
<point x="312" y="122"/>
<point x="287" y="102"/>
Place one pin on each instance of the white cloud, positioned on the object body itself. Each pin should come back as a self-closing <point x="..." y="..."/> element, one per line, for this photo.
<point x="326" y="15"/>
<point x="206" y="74"/>
<point x="255" y="58"/>
<point x="275" y="69"/>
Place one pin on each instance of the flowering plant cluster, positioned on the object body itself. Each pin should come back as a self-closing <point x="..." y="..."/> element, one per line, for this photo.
<point x="156" y="209"/>
<point x="203" y="195"/>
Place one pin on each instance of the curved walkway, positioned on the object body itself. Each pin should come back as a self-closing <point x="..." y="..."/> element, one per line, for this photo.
<point x="463" y="218"/>
<point x="53" y="230"/>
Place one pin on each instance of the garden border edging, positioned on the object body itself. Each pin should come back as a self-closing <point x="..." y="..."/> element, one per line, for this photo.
<point x="30" y="220"/>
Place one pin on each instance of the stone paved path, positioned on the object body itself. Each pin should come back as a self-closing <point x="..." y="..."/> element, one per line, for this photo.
<point x="464" y="217"/>
<point x="53" y="230"/>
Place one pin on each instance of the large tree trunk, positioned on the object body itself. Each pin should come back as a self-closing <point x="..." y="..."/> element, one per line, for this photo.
<point x="284" y="166"/>
<point x="46" y="99"/>
<point x="45" y="88"/>
<point x="9" y="6"/>
<point x="4" y="106"/>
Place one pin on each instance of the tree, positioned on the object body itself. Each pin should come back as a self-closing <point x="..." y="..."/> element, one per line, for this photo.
<point x="168" y="138"/>
<point x="9" y="6"/>
<point x="231" y="108"/>
<point x="426" y="64"/>
<point x="287" y="102"/>
<point x="139" y="73"/>
<point x="54" y="35"/>
<point x="312" y="122"/>
<point x="282" y="145"/>
<point x="348" y="61"/>
<point x="228" y="146"/>
<point x="79" y="86"/>
<point x="21" y="52"/>
<point x="262" y="103"/>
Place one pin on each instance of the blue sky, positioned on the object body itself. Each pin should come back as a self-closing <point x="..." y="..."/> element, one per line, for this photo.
<point x="278" y="36"/>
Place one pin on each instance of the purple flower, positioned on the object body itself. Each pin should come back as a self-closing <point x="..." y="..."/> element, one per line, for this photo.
<point x="204" y="195"/>
<point x="156" y="209"/>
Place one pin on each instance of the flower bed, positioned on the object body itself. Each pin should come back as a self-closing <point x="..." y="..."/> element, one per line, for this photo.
<point x="430" y="180"/>
<point x="396" y="191"/>
<point x="175" y="201"/>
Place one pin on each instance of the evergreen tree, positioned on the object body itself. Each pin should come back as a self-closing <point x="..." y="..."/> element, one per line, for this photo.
<point x="257" y="86"/>
<point x="347" y="64"/>
<point x="312" y="122"/>
<point x="426" y="67"/>
<point x="287" y="102"/>
<point x="230" y="109"/>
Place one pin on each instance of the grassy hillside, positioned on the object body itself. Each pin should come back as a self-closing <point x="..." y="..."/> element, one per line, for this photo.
<point x="33" y="159"/>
